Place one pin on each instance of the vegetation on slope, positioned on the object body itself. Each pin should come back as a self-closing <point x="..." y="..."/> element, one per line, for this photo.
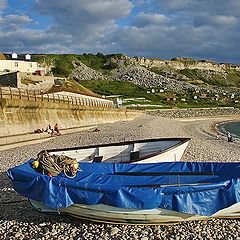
<point x="75" y="87"/>
<point x="99" y="61"/>
<point x="63" y="63"/>
<point x="232" y="77"/>
<point x="125" y="89"/>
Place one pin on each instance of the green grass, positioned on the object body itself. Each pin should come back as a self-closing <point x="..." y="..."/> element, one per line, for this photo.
<point x="157" y="70"/>
<point x="232" y="78"/>
<point x="193" y="74"/>
<point x="63" y="63"/>
<point x="63" y="66"/>
<point x="130" y="90"/>
<point x="149" y="107"/>
<point x="125" y="89"/>
<point x="192" y="105"/>
<point x="99" y="61"/>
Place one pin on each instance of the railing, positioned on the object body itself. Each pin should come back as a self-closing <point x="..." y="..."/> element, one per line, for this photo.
<point x="36" y="95"/>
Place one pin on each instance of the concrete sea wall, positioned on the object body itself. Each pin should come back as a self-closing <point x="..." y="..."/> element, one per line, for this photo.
<point x="18" y="116"/>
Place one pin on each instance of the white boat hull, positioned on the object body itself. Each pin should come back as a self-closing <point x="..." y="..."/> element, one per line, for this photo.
<point x="142" y="151"/>
<point x="173" y="155"/>
<point x="109" y="214"/>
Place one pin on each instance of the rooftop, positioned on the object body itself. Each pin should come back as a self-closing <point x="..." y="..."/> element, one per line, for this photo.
<point x="20" y="57"/>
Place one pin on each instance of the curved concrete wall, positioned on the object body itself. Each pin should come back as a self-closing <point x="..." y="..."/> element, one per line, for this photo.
<point x="21" y="116"/>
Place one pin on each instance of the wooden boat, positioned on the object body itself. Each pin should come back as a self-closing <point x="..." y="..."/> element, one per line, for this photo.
<point x="113" y="215"/>
<point x="141" y="151"/>
<point x="156" y="193"/>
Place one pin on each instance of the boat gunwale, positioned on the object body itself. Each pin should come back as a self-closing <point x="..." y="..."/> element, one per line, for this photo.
<point x="182" y="141"/>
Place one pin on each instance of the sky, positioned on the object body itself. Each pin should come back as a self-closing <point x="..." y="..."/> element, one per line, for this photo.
<point x="200" y="29"/>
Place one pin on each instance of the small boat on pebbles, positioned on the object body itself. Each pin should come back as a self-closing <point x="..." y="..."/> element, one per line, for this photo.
<point x="155" y="193"/>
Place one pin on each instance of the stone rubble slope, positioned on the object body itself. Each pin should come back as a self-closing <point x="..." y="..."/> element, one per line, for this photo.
<point x="83" y="72"/>
<point x="132" y="72"/>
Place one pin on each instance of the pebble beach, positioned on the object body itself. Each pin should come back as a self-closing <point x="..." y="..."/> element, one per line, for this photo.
<point x="19" y="221"/>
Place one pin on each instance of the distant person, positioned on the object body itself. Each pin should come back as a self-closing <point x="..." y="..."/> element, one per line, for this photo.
<point x="56" y="129"/>
<point x="49" y="129"/>
<point x="38" y="130"/>
<point x="229" y="137"/>
<point x="96" y="130"/>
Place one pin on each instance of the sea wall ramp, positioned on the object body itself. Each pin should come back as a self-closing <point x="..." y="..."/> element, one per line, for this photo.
<point x="26" y="114"/>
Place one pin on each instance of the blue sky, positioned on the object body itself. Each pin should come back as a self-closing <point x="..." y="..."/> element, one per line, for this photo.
<point x="201" y="29"/>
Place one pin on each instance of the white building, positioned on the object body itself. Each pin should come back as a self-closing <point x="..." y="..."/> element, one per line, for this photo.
<point x="15" y="62"/>
<point x="119" y="102"/>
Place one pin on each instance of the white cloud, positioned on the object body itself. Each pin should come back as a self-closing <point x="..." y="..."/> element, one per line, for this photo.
<point x="107" y="9"/>
<point x="95" y="8"/>
<point x="174" y="4"/>
<point x="151" y="28"/>
<point x="84" y="18"/>
<point x="16" y="19"/>
<point x="226" y="20"/>
<point x="26" y="40"/>
<point x="191" y="8"/>
<point x="145" y="19"/>
<point x="3" y="5"/>
<point x="215" y="21"/>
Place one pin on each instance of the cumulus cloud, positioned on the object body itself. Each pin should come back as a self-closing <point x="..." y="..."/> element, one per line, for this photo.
<point x="78" y="26"/>
<point x="151" y="28"/>
<point x="173" y="5"/>
<point x="16" y="19"/>
<point x="3" y="5"/>
<point x="221" y="7"/>
<point x="148" y="19"/>
<point x="217" y="21"/>
<point x="85" y="17"/>
<point x="27" y="40"/>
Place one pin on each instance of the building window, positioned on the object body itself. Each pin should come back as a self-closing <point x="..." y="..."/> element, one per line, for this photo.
<point x="16" y="64"/>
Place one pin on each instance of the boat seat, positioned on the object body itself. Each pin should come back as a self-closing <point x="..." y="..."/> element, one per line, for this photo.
<point x="97" y="159"/>
<point x="134" y="156"/>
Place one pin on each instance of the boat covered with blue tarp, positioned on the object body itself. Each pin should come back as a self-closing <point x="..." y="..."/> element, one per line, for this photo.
<point x="195" y="188"/>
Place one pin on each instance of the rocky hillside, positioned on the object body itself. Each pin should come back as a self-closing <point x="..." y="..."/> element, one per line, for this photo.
<point x="178" y="74"/>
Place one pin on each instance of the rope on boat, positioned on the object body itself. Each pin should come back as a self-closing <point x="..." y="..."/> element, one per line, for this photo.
<point x="55" y="164"/>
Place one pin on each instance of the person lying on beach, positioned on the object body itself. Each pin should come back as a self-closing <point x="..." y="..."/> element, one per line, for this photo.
<point x="49" y="129"/>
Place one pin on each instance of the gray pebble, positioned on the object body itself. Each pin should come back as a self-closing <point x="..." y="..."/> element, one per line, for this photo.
<point x="114" y="231"/>
<point x="21" y="221"/>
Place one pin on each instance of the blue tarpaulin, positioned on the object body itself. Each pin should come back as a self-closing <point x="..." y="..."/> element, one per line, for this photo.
<point x="187" y="187"/>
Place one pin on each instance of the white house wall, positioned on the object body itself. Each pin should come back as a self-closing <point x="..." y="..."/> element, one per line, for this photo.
<point x="21" y="66"/>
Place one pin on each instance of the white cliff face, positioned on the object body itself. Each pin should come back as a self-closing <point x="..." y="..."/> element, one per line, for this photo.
<point x="181" y="63"/>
